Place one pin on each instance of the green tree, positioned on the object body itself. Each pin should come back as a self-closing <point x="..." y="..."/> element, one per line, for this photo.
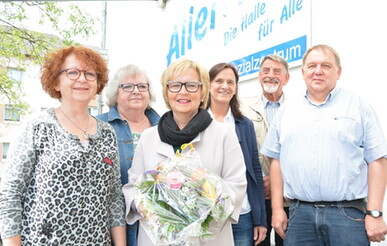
<point x="23" y="48"/>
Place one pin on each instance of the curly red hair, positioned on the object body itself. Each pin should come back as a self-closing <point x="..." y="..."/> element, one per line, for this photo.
<point x="54" y="61"/>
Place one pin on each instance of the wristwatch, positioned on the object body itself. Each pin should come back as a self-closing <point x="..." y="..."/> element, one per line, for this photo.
<point x="375" y="213"/>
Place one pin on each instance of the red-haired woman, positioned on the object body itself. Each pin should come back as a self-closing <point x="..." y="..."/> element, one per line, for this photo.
<point x="62" y="181"/>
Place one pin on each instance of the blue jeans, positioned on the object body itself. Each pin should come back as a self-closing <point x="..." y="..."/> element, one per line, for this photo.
<point x="243" y="232"/>
<point x="325" y="226"/>
<point x="131" y="234"/>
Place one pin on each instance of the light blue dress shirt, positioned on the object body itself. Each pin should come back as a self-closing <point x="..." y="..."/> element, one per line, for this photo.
<point x="324" y="150"/>
<point x="271" y="108"/>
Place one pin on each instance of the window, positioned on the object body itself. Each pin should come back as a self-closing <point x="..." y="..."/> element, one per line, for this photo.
<point x="15" y="74"/>
<point x="11" y="113"/>
<point x="5" y="150"/>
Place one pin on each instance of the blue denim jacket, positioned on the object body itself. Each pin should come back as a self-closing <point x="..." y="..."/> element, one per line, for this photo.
<point x="124" y="136"/>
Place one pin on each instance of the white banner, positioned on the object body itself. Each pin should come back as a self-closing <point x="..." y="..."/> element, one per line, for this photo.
<point x="240" y="32"/>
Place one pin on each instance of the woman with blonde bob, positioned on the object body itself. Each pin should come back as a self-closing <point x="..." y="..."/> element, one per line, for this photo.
<point x="186" y="89"/>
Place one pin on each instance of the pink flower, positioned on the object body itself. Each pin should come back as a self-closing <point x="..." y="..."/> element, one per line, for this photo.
<point x="175" y="180"/>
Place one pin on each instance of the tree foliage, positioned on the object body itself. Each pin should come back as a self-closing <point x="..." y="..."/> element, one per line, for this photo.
<point x="21" y="47"/>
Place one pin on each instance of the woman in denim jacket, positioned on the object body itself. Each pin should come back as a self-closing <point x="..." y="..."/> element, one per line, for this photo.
<point x="128" y="96"/>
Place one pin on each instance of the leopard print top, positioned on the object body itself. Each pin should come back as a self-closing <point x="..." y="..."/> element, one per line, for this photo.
<point x="57" y="191"/>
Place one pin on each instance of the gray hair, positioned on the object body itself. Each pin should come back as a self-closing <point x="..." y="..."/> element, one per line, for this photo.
<point x="324" y="48"/>
<point x="111" y="90"/>
<point x="276" y="58"/>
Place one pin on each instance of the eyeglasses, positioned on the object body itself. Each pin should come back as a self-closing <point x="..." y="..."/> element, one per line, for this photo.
<point x="190" y="86"/>
<point x="74" y="73"/>
<point x="129" y="87"/>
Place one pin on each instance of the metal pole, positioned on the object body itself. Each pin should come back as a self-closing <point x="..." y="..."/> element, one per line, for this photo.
<point x="103" y="46"/>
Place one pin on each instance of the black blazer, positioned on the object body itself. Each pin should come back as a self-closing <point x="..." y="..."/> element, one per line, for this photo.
<point x="255" y="192"/>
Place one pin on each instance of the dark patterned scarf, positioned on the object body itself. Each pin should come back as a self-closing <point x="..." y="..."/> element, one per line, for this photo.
<point x="171" y="134"/>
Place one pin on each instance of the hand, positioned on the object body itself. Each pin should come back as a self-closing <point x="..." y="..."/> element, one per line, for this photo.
<point x="140" y="209"/>
<point x="118" y="235"/>
<point x="12" y="241"/>
<point x="259" y="234"/>
<point x="266" y="187"/>
<point x="279" y="222"/>
<point x="376" y="229"/>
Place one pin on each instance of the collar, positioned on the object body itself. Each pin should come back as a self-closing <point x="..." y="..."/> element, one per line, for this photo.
<point x="113" y="114"/>
<point x="329" y="97"/>
<point x="228" y="119"/>
<point x="279" y="102"/>
<point x="149" y="112"/>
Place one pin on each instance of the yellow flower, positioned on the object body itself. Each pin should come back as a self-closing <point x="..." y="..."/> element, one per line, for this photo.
<point x="208" y="190"/>
<point x="197" y="174"/>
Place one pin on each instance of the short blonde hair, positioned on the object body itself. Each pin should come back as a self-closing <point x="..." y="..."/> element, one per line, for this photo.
<point x="324" y="48"/>
<point x="180" y="66"/>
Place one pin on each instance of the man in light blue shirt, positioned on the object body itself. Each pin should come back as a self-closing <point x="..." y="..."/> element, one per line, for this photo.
<point x="261" y="109"/>
<point x="329" y="155"/>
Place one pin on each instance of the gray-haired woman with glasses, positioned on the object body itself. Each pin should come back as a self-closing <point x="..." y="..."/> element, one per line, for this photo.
<point x="128" y="96"/>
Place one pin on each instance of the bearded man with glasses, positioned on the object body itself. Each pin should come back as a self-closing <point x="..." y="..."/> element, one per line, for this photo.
<point x="261" y="109"/>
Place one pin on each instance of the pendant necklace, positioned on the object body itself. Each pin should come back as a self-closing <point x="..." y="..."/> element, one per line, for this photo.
<point x="127" y="119"/>
<point x="85" y="134"/>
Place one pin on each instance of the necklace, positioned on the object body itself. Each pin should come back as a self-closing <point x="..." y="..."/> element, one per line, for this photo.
<point x="125" y="118"/>
<point x="85" y="134"/>
<point x="143" y="126"/>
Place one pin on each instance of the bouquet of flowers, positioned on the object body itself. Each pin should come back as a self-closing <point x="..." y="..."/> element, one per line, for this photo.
<point x="181" y="202"/>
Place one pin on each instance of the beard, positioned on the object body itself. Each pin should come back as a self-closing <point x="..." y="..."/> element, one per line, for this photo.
<point x="272" y="86"/>
<point x="269" y="88"/>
